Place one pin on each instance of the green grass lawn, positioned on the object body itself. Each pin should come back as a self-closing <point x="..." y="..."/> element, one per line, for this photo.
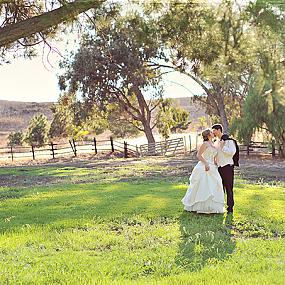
<point x="119" y="225"/>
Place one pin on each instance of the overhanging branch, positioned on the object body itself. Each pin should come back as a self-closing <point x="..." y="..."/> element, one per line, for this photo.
<point x="26" y="28"/>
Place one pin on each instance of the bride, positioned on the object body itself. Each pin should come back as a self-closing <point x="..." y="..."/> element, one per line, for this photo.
<point x="205" y="192"/>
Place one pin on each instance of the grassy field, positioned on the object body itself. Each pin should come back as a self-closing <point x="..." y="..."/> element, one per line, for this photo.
<point x="125" y="224"/>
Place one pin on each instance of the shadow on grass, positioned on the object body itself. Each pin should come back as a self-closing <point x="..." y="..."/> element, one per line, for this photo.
<point x="206" y="239"/>
<point x="69" y="205"/>
<point x="25" y="177"/>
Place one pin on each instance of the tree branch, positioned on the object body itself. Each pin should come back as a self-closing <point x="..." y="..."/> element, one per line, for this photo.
<point x="154" y="125"/>
<point x="200" y="82"/>
<point x="40" y="23"/>
<point x="198" y="98"/>
<point x="155" y="105"/>
<point x="127" y="102"/>
<point x="124" y="107"/>
<point x="130" y="122"/>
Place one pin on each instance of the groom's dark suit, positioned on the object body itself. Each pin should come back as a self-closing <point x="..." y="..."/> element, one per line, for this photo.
<point x="226" y="169"/>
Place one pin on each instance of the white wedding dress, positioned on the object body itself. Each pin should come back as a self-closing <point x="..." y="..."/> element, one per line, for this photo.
<point x="205" y="192"/>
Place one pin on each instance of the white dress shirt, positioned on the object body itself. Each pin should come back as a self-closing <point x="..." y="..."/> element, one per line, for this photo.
<point x="225" y="153"/>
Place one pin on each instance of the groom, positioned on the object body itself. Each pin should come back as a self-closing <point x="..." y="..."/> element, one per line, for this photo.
<point x="226" y="150"/>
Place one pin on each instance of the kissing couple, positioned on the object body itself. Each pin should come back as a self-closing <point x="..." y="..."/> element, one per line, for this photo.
<point x="213" y="175"/>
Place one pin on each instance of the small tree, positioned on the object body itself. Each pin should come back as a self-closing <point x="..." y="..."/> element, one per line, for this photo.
<point x="70" y="118"/>
<point x="38" y="129"/>
<point x="202" y="122"/>
<point x="171" y="119"/>
<point x="15" y="138"/>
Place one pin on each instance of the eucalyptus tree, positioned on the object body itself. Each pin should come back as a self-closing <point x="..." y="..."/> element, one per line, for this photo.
<point x="111" y="67"/>
<point x="212" y="45"/>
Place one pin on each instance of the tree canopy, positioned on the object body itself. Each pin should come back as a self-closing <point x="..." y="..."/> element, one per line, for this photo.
<point x="113" y="67"/>
<point x="25" y="23"/>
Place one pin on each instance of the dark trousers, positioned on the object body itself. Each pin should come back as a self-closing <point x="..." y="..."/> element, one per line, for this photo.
<point x="227" y="174"/>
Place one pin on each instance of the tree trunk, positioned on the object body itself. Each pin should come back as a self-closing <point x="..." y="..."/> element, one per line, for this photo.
<point x="224" y="119"/>
<point x="148" y="132"/>
<point x="222" y="111"/>
<point x="282" y="149"/>
<point x="145" y="114"/>
<point x="25" y="28"/>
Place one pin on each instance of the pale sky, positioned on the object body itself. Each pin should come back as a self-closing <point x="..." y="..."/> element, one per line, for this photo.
<point x="36" y="80"/>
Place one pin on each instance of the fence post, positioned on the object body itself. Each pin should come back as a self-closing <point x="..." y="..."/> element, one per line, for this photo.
<point x="74" y="145"/>
<point x="137" y="150"/>
<point x="95" y="145"/>
<point x="190" y="143"/>
<point x="12" y="156"/>
<point x="71" y="145"/>
<point x="52" y="149"/>
<point x="125" y="149"/>
<point x="273" y="148"/>
<point x="196" y="142"/>
<point x="112" y="144"/>
<point x="33" y="151"/>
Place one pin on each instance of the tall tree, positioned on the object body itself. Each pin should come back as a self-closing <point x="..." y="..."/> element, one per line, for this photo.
<point x="265" y="105"/>
<point x="268" y="20"/>
<point x="262" y="111"/>
<point x="111" y="68"/>
<point x="209" y="44"/>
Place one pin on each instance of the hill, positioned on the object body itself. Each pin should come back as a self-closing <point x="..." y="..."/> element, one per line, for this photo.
<point x="15" y="116"/>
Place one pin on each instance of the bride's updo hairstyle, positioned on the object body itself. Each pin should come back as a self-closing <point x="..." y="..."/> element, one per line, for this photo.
<point x="205" y="134"/>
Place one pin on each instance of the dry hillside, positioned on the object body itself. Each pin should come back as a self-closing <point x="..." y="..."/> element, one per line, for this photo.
<point x="15" y="116"/>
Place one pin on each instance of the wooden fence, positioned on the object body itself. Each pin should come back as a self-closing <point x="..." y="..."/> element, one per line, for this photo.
<point x="259" y="148"/>
<point x="253" y="148"/>
<point x="167" y="147"/>
<point x="184" y="144"/>
<point x="72" y="147"/>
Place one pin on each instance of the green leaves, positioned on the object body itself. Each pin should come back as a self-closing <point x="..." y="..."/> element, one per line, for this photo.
<point x="114" y="67"/>
<point x="37" y="133"/>
<point x="15" y="138"/>
<point x="72" y="118"/>
<point x="171" y="118"/>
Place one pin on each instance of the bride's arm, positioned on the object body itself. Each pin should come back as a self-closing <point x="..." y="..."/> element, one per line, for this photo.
<point x="200" y="157"/>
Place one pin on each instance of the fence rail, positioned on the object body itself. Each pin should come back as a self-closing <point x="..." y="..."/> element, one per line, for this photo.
<point x="164" y="148"/>
<point x="167" y="147"/>
<point x="257" y="148"/>
<point x="55" y="150"/>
